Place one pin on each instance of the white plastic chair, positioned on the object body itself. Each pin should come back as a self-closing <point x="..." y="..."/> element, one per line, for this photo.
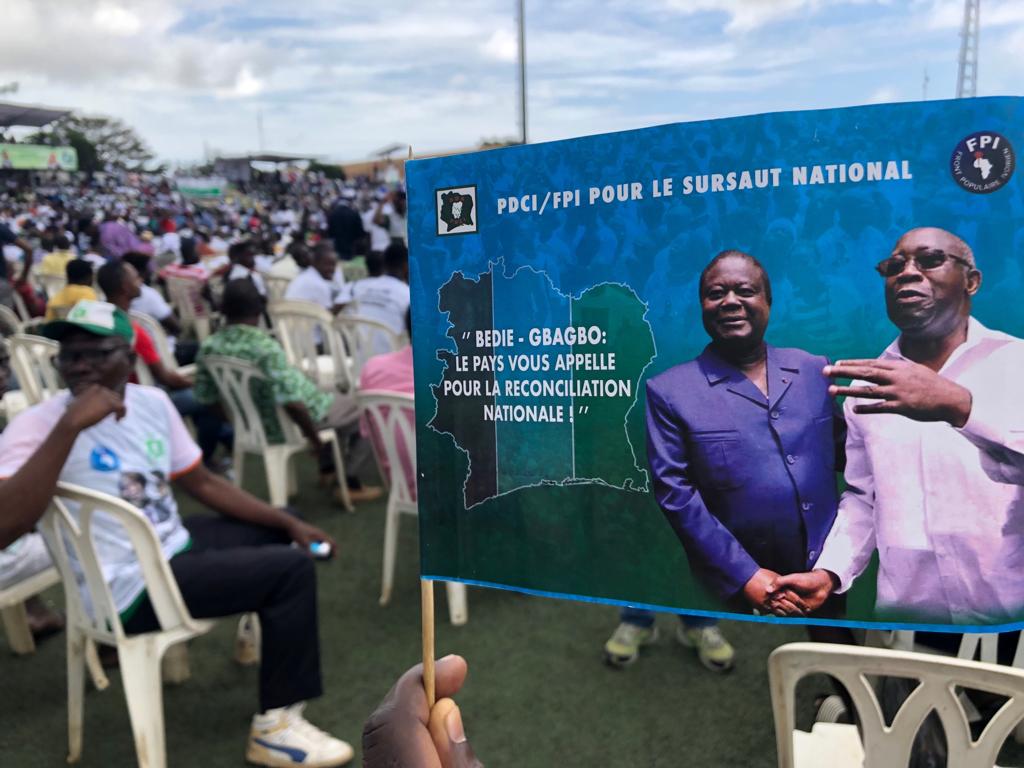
<point x="163" y="346"/>
<point x="234" y="379"/>
<point x="300" y="326"/>
<point x="13" y="401"/>
<point x="10" y="323"/>
<point x="67" y="528"/>
<point x="363" y="338"/>
<point x="391" y="419"/>
<point x="833" y="745"/>
<point x="12" y="609"/>
<point x="20" y="309"/>
<point x="51" y="285"/>
<point x="190" y="306"/>
<point x="33" y="364"/>
<point x="15" y="621"/>
<point x="276" y="287"/>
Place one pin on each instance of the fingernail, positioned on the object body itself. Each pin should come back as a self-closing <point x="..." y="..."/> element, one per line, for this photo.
<point x="453" y="725"/>
<point x="445" y="658"/>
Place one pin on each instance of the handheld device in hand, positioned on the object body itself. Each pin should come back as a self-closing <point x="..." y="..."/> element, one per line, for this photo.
<point x="321" y="550"/>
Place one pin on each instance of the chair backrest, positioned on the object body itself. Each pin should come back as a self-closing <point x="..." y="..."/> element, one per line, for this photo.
<point x="20" y="308"/>
<point x="391" y="417"/>
<point x="234" y="379"/>
<point x="67" y="527"/>
<point x="276" y="287"/>
<point x="10" y="323"/>
<point x="363" y="338"/>
<point x="184" y="294"/>
<point x="32" y="358"/>
<point x="51" y="284"/>
<point x="300" y="327"/>
<point x="159" y="336"/>
<point x="938" y="679"/>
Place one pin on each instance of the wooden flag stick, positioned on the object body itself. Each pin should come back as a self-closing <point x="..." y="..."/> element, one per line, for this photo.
<point x="427" y="609"/>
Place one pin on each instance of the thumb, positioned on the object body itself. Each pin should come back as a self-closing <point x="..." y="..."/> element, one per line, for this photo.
<point x="449" y="736"/>
<point x="788" y="580"/>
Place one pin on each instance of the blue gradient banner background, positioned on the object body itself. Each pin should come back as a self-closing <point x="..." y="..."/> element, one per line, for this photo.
<point x="819" y="244"/>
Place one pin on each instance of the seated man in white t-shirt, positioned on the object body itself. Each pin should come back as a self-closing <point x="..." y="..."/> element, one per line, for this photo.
<point x="150" y="302"/>
<point x="128" y="441"/>
<point x="243" y="265"/>
<point x="321" y="282"/>
<point x="385" y="298"/>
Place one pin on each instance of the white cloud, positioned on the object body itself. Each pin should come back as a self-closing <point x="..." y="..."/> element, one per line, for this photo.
<point x="884" y="95"/>
<point x="116" y="19"/>
<point x="502" y="45"/>
<point x="340" y="79"/>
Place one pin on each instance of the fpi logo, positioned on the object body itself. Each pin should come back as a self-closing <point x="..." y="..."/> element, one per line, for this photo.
<point x="456" y="210"/>
<point x="983" y="162"/>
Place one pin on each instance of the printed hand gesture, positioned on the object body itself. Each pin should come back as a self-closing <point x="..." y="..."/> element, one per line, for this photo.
<point x="903" y="387"/>
<point x="812" y="589"/>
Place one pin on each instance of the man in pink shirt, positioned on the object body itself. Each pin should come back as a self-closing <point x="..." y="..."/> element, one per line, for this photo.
<point x="391" y="372"/>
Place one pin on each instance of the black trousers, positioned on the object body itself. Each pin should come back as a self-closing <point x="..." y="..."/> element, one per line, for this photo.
<point x="234" y="567"/>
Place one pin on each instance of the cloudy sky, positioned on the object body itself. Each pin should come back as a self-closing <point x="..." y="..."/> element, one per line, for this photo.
<point x="341" y="78"/>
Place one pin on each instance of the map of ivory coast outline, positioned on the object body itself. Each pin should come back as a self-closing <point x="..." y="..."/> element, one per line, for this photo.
<point x="591" y="444"/>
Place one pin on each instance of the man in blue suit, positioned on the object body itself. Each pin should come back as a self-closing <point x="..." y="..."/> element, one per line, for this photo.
<point x="742" y="443"/>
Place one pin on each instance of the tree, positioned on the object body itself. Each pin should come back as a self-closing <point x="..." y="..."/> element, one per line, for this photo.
<point x="101" y="142"/>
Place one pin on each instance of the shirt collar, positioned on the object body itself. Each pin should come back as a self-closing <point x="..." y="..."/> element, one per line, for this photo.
<point x="976" y="334"/>
<point x="717" y="369"/>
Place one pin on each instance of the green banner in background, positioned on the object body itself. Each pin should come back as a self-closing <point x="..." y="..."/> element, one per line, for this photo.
<point x="37" y="157"/>
<point x="202" y="187"/>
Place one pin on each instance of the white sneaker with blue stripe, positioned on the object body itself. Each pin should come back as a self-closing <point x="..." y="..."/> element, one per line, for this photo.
<point x="283" y="737"/>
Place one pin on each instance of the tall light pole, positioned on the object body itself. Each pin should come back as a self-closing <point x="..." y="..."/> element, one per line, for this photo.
<point x="522" y="70"/>
<point x="967" y="71"/>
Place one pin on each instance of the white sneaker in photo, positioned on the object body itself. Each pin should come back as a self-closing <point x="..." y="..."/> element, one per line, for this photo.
<point x="283" y="737"/>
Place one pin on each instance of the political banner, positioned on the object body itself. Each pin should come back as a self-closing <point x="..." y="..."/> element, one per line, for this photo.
<point x="202" y="187"/>
<point x="763" y="367"/>
<point x="37" y="157"/>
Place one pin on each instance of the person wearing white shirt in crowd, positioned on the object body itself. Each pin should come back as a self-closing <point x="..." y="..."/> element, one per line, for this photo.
<point x="283" y="218"/>
<point x="150" y="302"/>
<point x="391" y="214"/>
<point x="385" y="298"/>
<point x="243" y="265"/>
<point x="321" y="282"/>
<point x="379" y="238"/>
<point x="934" y="452"/>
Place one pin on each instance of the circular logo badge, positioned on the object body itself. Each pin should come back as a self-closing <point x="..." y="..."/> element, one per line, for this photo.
<point x="983" y="162"/>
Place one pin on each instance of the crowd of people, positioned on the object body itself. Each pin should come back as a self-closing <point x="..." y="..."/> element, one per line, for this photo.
<point x="111" y="251"/>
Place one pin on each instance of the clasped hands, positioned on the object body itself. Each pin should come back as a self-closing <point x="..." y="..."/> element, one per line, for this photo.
<point x="795" y="594"/>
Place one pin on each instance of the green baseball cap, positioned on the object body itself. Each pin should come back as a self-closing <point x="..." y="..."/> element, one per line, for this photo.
<point x="96" y="317"/>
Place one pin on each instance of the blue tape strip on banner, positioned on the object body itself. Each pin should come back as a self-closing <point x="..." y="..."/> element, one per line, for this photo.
<point x="876" y="625"/>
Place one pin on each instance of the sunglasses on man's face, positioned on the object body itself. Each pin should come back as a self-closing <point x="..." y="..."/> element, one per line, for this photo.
<point x="92" y="355"/>
<point x="925" y="261"/>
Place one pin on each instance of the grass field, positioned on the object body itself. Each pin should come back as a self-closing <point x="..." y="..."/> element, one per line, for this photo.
<point x="538" y="693"/>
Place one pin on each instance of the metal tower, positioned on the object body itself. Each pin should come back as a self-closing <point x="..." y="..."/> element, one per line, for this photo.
<point x="967" y="73"/>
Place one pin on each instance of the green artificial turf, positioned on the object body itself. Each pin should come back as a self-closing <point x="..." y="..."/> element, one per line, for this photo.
<point x="538" y="693"/>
